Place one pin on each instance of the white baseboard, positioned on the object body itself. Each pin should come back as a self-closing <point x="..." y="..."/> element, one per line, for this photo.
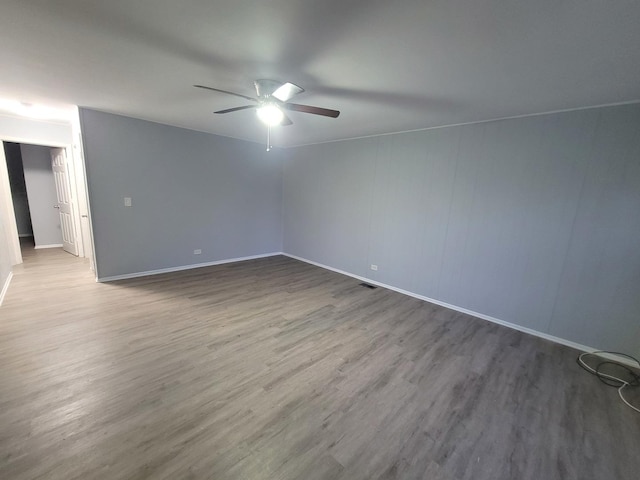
<point x="53" y="245"/>
<point x="530" y="331"/>
<point x="183" y="267"/>
<point x="5" y="287"/>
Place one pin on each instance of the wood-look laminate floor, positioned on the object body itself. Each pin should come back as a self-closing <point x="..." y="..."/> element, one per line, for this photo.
<point x="275" y="369"/>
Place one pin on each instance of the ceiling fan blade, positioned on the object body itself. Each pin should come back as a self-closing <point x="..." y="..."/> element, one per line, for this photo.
<point x="287" y="91"/>
<point x="227" y="92"/>
<point x="309" y="109"/>
<point x="235" y="109"/>
<point x="286" y="121"/>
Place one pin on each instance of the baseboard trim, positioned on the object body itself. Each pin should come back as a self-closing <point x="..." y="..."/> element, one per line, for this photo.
<point x="514" y="326"/>
<point x="183" y="267"/>
<point x="5" y="287"/>
<point x="53" y="245"/>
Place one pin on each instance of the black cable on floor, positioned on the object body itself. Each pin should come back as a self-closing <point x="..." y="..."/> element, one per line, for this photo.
<point x="633" y="380"/>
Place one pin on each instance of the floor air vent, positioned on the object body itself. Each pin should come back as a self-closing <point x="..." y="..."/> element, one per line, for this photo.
<point x="366" y="285"/>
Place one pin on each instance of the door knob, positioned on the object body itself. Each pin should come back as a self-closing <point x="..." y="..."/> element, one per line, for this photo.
<point x="56" y="206"/>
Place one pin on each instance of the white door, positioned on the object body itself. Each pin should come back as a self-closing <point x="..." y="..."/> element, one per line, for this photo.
<point x="65" y="202"/>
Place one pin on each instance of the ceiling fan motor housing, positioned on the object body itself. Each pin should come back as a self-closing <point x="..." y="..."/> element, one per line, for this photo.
<point x="265" y="87"/>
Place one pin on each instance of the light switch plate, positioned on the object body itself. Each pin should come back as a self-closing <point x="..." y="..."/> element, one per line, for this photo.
<point x="127" y="201"/>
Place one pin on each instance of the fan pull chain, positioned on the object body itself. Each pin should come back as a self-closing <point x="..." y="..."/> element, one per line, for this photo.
<point x="268" y="138"/>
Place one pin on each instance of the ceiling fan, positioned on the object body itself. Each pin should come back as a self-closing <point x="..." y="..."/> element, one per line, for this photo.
<point x="272" y="98"/>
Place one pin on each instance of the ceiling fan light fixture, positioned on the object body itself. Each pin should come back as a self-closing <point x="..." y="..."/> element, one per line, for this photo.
<point x="270" y="114"/>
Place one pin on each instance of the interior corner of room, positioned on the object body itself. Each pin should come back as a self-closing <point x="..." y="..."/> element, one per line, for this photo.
<point x="519" y="221"/>
<point x="431" y="269"/>
<point x="526" y="222"/>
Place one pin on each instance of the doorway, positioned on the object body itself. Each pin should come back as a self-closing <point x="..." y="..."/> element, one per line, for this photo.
<point x="42" y="199"/>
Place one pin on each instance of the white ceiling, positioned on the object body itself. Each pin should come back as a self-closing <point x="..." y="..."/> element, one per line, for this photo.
<point x="387" y="66"/>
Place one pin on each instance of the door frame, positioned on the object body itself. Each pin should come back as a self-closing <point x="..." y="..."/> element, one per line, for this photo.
<point x="6" y="202"/>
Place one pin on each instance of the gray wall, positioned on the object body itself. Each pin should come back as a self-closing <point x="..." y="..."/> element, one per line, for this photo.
<point x="533" y="221"/>
<point x="189" y="191"/>
<point x="41" y="191"/>
<point x="18" y="188"/>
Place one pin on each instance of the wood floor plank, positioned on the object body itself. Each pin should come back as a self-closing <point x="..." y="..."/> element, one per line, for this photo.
<point x="275" y="369"/>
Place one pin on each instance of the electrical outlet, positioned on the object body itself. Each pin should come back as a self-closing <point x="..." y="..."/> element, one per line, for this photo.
<point x="374" y="267"/>
<point x="127" y="201"/>
<point x="197" y="251"/>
